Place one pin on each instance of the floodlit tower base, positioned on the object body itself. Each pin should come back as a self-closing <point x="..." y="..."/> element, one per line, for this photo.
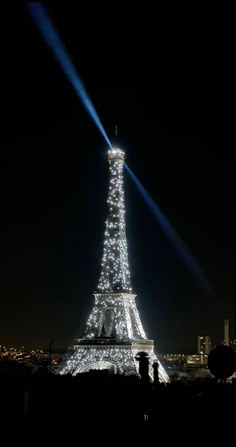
<point x="116" y="357"/>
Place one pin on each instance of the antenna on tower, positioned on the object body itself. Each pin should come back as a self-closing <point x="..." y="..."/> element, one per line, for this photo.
<point x="116" y="130"/>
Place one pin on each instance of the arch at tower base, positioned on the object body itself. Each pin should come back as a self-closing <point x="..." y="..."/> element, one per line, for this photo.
<point x="114" y="356"/>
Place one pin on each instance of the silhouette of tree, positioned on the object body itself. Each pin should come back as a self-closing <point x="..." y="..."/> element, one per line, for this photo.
<point x="222" y="362"/>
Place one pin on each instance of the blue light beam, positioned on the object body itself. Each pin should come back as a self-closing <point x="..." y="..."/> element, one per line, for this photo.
<point x="179" y="246"/>
<point x="52" y="38"/>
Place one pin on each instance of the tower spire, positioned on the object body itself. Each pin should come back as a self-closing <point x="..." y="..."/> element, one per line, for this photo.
<point x="115" y="273"/>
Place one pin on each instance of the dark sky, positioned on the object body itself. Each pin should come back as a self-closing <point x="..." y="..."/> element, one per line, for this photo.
<point x="167" y="82"/>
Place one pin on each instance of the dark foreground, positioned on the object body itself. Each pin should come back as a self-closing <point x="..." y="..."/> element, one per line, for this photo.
<point x="99" y="396"/>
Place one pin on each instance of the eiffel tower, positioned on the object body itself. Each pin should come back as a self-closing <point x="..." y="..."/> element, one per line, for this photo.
<point x="114" y="334"/>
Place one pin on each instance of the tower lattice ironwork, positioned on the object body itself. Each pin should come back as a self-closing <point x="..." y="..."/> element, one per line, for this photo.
<point x="114" y="333"/>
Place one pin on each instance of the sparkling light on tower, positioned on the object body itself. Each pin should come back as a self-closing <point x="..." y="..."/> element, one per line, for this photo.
<point x="114" y="333"/>
<point x="115" y="275"/>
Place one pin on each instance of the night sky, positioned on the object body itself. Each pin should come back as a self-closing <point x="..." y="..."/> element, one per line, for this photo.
<point x="167" y="83"/>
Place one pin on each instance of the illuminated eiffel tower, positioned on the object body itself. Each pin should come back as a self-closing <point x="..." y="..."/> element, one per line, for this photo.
<point x="114" y="333"/>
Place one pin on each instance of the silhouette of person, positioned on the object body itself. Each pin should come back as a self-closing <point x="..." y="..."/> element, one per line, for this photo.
<point x="156" y="372"/>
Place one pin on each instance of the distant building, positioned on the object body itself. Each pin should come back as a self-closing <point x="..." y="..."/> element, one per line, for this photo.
<point x="226" y="332"/>
<point x="194" y="360"/>
<point x="204" y="344"/>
